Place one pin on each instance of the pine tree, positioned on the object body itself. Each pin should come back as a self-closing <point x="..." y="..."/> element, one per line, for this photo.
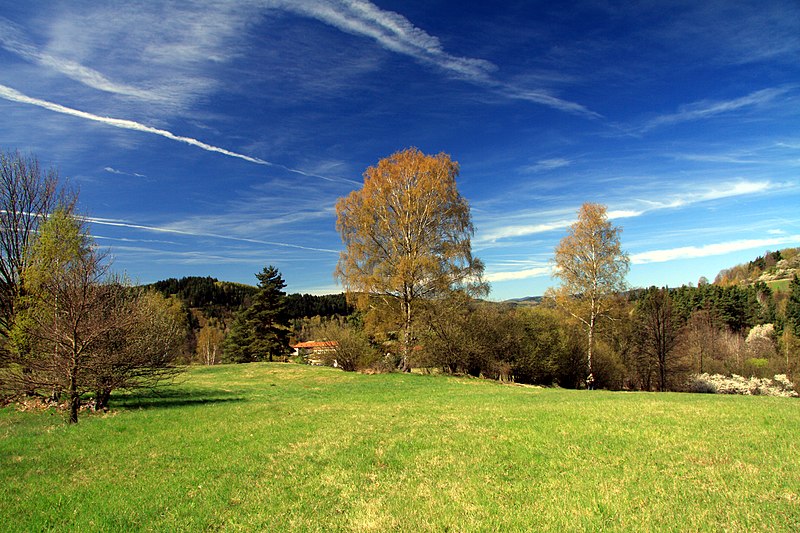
<point x="267" y="316"/>
<point x="262" y="330"/>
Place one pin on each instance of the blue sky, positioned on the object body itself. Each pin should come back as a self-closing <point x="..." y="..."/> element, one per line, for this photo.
<point x="214" y="138"/>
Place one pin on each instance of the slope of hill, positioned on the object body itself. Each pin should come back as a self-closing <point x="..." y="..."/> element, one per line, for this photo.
<point x="773" y="268"/>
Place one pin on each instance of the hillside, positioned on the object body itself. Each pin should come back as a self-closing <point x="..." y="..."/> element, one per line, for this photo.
<point x="223" y="298"/>
<point x="773" y="268"/>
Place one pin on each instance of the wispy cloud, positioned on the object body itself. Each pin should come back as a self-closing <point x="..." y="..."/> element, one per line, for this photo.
<point x="642" y="206"/>
<point x="716" y="192"/>
<point x="189" y="232"/>
<point x="13" y="40"/>
<point x="112" y="170"/>
<point x="390" y="30"/>
<point x="693" y="252"/>
<point x="547" y="164"/>
<point x="192" y="257"/>
<point x="708" y="108"/>
<point x="521" y="230"/>
<point x="15" y="96"/>
<point x="396" y="33"/>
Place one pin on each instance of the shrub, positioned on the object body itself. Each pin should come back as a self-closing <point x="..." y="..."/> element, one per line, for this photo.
<point x="352" y="351"/>
<point x="735" y="384"/>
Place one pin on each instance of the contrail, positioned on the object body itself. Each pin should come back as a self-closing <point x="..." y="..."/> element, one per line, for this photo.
<point x="125" y="224"/>
<point x="15" y="96"/>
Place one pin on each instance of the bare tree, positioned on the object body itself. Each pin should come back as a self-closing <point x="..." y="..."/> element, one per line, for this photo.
<point x="659" y="336"/>
<point x="140" y="350"/>
<point x="27" y="196"/>
<point x="209" y="342"/>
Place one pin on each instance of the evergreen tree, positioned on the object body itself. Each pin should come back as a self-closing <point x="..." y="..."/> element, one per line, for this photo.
<point x="237" y="347"/>
<point x="793" y="307"/>
<point x="267" y="316"/>
<point x="262" y="330"/>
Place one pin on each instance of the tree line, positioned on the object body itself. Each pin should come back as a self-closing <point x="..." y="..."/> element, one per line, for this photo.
<point x="408" y="268"/>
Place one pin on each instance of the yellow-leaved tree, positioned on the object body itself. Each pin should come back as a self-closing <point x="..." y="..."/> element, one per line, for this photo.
<point x="407" y="236"/>
<point x="592" y="267"/>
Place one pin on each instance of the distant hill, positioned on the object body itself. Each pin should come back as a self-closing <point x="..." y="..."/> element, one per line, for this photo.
<point x="773" y="268"/>
<point x="222" y="299"/>
<point x="525" y="301"/>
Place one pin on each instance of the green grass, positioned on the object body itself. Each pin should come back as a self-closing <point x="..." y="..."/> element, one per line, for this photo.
<point x="781" y="285"/>
<point x="276" y="447"/>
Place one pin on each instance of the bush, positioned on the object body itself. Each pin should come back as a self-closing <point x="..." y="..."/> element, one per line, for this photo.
<point x="735" y="384"/>
<point x="352" y="351"/>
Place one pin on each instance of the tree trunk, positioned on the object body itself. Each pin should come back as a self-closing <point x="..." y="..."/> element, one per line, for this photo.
<point x="406" y="349"/>
<point x="102" y="397"/>
<point x="74" y="397"/>
<point x="590" y="376"/>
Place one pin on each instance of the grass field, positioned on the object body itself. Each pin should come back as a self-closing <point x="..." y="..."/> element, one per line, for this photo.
<point x="781" y="285"/>
<point x="275" y="447"/>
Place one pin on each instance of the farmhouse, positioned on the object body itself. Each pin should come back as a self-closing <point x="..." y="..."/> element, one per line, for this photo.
<point x="314" y="351"/>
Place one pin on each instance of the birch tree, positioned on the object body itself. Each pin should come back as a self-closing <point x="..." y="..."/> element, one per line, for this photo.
<point x="592" y="267"/>
<point x="407" y="236"/>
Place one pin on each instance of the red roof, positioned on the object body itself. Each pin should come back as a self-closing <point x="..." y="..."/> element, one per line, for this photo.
<point x="316" y="344"/>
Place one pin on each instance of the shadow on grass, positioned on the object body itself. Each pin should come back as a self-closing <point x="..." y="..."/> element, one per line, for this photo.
<point x="166" y="399"/>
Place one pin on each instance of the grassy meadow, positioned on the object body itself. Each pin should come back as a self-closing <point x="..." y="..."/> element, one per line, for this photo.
<point x="276" y="447"/>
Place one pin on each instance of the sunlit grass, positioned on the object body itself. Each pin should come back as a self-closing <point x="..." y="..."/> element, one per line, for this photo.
<point x="280" y="446"/>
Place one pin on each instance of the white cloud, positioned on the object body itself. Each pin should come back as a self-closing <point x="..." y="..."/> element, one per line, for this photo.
<point x="522" y="230"/>
<point x="396" y="33"/>
<point x="693" y="252"/>
<point x="624" y="213"/>
<point x="13" y="40"/>
<point x="112" y="170"/>
<point x="708" y="108"/>
<point x="547" y="164"/>
<point x="390" y="30"/>
<point x="684" y="199"/>
<point x="527" y="273"/>
<point x="717" y="192"/>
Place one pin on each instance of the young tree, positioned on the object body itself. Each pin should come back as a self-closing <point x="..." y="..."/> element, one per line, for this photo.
<point x="66" y="312"/>
<point x="351" y="349"/>
<point x="592" y="267"/>
<point x="793" y="306"/>
<point x="238" y="344"/>
<point x="407" y="235"/>
<point x="27" y="196"/>
<point x="209" y="342"/>
<point x="78" y="331"/>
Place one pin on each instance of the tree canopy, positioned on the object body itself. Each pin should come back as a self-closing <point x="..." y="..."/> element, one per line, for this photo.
<point x="407" y="235"/>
